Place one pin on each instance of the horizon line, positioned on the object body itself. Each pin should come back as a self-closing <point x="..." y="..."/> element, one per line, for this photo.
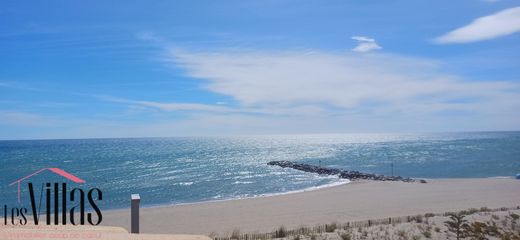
<point x="258" y="134"/>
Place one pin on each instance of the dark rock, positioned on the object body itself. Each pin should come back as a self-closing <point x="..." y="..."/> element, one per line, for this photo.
<point x="352" y="175"/>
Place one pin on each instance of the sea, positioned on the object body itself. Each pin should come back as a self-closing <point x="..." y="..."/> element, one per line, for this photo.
<point x="184" y="170"/>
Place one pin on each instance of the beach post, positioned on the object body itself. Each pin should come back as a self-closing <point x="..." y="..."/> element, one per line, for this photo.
<point x="135" y="213"/>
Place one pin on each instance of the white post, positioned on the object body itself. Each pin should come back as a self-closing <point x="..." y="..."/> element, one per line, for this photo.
<point x="135" y="213"/>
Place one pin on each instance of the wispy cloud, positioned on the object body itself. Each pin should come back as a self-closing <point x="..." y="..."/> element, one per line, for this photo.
<point x="346" y="82"/>
<point x="19" y="86"/>
<point x="170" y="106"/>
<point x="499" y="24"/>
<point x="3" y="84"/>
<point x="365" y="44"/>
<point x="217" y="108"/>
<point x="22" y="119"/>
<point x="313" y="92"/>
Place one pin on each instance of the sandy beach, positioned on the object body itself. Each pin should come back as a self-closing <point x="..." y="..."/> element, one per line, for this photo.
<point x="351" y="202"/>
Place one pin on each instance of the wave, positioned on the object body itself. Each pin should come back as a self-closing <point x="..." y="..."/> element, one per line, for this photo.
<point x="314" y="188"/>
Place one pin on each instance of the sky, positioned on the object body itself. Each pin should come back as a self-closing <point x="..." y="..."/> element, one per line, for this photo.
<point x="97" y="69"/>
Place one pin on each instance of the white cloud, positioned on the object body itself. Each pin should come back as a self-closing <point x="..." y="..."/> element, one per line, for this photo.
<point x="324" y="92"/>
<point x="316" y="92"/>
<point x="365" y="44"/>
<point x="500" y="24"/>
<point x="331" y="83"/>
<point x="299" y="92"/>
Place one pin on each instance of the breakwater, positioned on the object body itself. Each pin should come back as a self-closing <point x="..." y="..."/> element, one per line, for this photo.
<point x="351" y="175"/>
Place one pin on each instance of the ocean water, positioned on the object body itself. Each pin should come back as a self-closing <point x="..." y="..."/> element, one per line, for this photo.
<point x="194" y="169"/>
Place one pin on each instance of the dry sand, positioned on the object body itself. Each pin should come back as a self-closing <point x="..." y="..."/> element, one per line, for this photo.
<point x="350" y="202"/>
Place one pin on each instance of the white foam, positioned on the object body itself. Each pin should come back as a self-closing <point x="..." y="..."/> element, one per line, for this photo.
<point x="337" y="183"/>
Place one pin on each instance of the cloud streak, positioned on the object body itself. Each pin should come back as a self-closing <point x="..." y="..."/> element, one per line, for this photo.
<point x="497" y="25"/>
<point x="365" y="44"/>
<point x="13" y="118"/>
<point x="169" y="106"/>
<point x="215" y="109"/>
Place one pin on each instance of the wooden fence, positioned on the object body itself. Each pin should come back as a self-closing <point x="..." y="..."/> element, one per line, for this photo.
<point x="282" y="232"/>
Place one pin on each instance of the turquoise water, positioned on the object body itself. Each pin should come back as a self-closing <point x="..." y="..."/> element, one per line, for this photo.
<point x="193" y="169"/>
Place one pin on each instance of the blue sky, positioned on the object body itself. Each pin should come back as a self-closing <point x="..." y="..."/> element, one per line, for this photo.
<point x="73" y="69"/>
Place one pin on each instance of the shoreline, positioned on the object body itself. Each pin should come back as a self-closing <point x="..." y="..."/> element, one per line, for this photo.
<point x="358" y="200"/>
<point x="309" y="189"/>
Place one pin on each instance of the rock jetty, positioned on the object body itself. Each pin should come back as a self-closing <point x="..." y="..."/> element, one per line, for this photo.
<point x="352" y="175"/>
